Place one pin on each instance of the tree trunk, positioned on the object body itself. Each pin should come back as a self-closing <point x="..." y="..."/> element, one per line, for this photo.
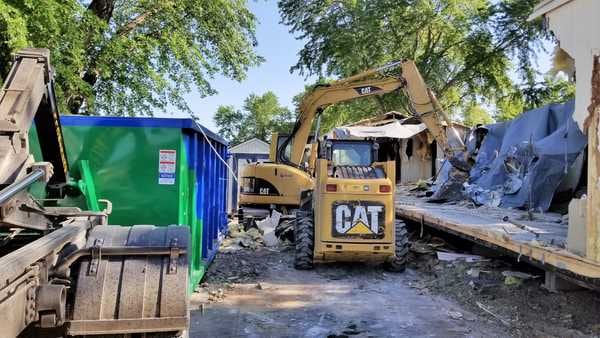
<point x="103" y="9"/>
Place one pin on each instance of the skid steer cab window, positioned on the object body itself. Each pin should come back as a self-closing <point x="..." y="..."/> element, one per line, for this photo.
<point x="351" y="154"/>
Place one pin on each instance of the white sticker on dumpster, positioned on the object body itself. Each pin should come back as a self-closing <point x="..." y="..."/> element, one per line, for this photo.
<point x="167" y="160"/>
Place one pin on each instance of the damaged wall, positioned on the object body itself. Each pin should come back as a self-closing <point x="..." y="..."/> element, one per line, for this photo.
<point x="575" y="24"/>
<point x="404" y="140"/>
<point x="593" y="207"/>
<point x="414" y="159"/>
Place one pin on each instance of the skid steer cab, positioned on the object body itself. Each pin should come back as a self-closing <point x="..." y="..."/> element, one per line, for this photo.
<point x="349" y="215"/>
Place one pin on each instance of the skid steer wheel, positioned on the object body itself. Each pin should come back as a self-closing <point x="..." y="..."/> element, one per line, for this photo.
<point x="304" y="233"/>
<point x="398" y="262"/>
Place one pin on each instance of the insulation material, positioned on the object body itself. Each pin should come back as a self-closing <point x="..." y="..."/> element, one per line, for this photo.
<point x="394" y="129"/>
<point x="521" y="163"/>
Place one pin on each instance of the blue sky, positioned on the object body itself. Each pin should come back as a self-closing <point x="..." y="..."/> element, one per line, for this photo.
<point x="280" y="50"/>
<point x="278" y="47"/>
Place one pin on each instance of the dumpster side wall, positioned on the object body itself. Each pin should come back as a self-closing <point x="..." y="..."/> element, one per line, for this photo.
<point x="155" y="171"/>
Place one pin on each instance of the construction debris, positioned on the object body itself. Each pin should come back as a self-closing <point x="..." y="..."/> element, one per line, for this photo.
<point x="427" y="245"/>
<point x="450" y="256"/>
<point x="239" y="238"/>
<point x="285" y="230"/>
<point x="216" y="295"/>
<point x="521" y="163"/>
<point x="502" y="320"/>
<point x="521" y="226"/>
<point x="455" y="315"/>
<point x="267" y="226"/>
<point x="518" y="274"/>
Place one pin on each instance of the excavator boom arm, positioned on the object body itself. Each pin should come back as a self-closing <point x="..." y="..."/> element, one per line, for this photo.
<point x="427" y="109"/>
<point x="340" y="91"/>
<point x="423" y="104"/>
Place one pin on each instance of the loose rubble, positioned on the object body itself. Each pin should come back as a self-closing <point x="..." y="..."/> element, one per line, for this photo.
<point x="504" y="291"/>
<point x="238" y="238"/>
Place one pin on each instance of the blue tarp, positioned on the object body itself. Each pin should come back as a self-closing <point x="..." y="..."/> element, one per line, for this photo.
<point x="522" y="162"/>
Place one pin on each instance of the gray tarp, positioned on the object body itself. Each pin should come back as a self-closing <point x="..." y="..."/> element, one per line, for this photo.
<point x="527" y="158"/>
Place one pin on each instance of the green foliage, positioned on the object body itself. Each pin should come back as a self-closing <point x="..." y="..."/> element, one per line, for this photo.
<point x="465" y="49"/>
<point x="260" y="116"/>
<point x="535" y="94"/>
<point x="476" y="114"/>
<point x="132" y="57"/>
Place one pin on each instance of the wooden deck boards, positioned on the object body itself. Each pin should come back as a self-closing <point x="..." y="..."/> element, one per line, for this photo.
<point x="543" y="243"/>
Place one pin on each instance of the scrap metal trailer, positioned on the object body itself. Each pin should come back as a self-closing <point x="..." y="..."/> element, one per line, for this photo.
<point x="63" y="270"/>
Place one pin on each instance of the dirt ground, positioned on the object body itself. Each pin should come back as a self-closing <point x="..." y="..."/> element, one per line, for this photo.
<point x="257" y="293"/>
<point x="523" y="306"/>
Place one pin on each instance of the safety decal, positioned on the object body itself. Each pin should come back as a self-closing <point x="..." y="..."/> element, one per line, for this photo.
<point x="167" y="160"/>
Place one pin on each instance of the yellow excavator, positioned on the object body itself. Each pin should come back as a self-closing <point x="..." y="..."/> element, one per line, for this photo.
<point x="278" y="183"/>
<point x="343" y="199"/>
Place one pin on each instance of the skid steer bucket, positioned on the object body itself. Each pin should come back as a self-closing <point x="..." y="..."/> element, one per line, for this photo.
<point x="119" y="293"/>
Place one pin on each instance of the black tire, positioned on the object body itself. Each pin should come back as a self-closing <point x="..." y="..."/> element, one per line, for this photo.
<point x="304" y="233"/>
<point x="398" y="262"/>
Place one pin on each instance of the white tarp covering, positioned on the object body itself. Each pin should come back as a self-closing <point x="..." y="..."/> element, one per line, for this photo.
<point x="394" y="129"/>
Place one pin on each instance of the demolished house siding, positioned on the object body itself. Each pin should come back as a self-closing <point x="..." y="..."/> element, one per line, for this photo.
<point x="593" y="207"/>
<point x="575" y="24"/>
<point x="522" y="163"/>
<point x="417" y="157"/>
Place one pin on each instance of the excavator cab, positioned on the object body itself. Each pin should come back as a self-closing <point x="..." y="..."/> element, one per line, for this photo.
<point x="349" y="215"/>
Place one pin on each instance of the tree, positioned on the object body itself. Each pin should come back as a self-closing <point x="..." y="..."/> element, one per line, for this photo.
<point x="132" y="57"/>
<point x="533" y="95"/>
<point x="260" y="116"/>
<point x="465" y="49"/>
<point x="476" y="114"/>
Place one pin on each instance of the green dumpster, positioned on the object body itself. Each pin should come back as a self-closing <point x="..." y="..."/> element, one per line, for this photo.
<point x="154" y="171"/>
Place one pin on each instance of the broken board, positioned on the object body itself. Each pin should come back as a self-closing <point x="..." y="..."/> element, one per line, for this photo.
<point x="541" y="241"/>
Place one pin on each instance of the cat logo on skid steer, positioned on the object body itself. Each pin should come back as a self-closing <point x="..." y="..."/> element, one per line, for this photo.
<point x="358" y="219"/>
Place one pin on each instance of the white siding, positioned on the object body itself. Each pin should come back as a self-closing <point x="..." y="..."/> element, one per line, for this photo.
<point x="576" y="24"/>
<point x="253" y="146"/>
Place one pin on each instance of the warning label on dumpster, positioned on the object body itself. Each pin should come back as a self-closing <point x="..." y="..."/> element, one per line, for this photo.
<point x="167" y="160"/>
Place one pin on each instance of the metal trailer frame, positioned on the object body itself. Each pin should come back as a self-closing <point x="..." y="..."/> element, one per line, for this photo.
<point x="64" y="271"/>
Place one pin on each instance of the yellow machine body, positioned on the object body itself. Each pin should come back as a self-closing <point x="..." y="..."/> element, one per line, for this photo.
<point x="273" y="184"/>
<point x="355" y="222"/>
<point x="278" y="184"/>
